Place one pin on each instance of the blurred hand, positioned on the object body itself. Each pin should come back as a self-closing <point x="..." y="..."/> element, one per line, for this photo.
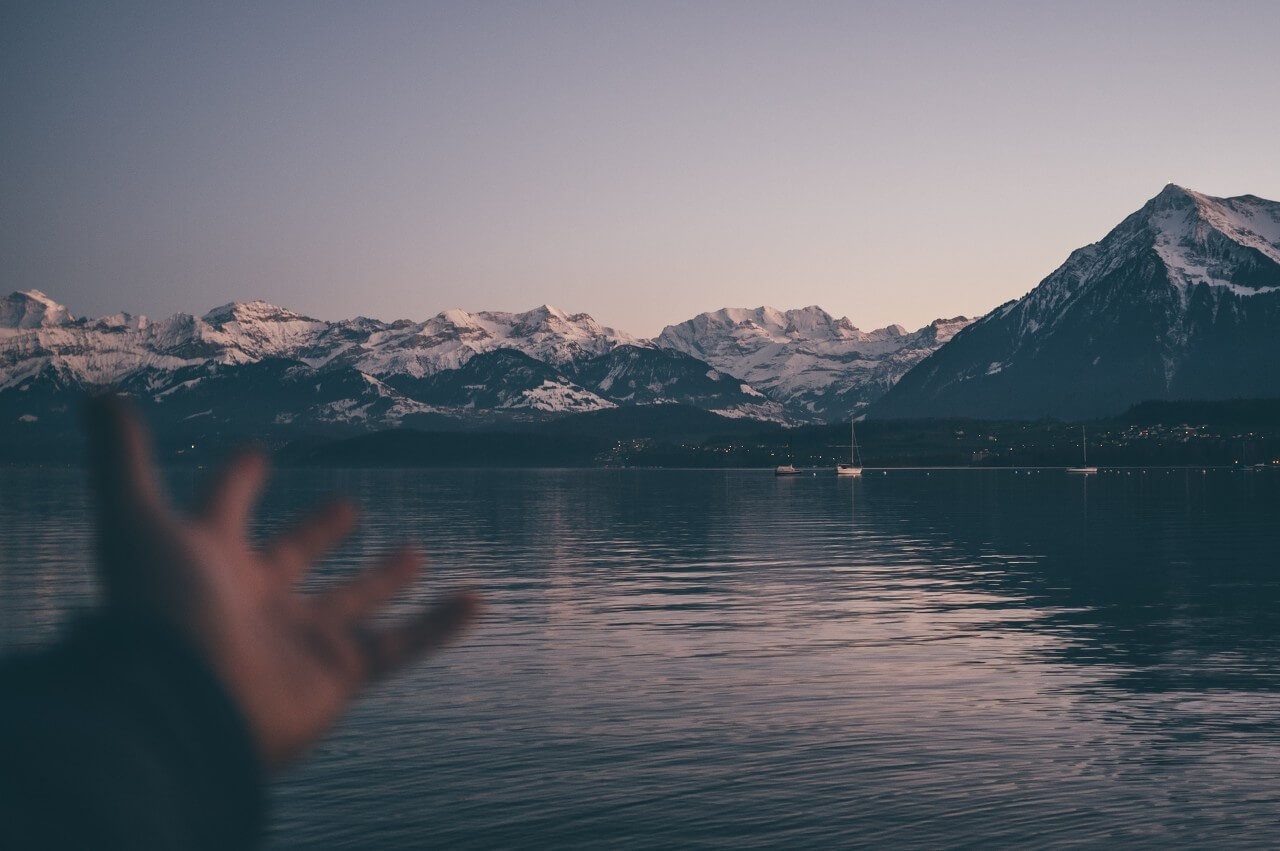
<point x="291" y="661"/>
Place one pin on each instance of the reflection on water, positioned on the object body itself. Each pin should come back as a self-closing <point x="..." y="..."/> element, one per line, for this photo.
<point x="726" y="658"/>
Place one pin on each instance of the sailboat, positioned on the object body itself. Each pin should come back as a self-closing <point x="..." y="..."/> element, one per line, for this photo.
<point x="854" y="468"/>
<point x="1084" y="449"/>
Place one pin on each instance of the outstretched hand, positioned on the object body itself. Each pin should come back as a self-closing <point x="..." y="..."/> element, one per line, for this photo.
<point x="291" y="661"/>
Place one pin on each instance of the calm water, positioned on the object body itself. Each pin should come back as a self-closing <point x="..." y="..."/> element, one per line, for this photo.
<point x="726" y="659"/>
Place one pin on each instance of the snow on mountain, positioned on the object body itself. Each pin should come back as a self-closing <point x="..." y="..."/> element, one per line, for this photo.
<point x="500" y="379"/>
<point x="45" y="340"/>
<point x="764" y="363"/>
<point x="555" y="337"/>
<point x="648" y="375"/>
<point x="42" y="335"/>
<point x="1180" y="300"/>
<point x="558" y="396"/>
<point x="260" y="329"/>
<point x="254" y="398"/>
<point x="806" y="357"/>
<point x="79" y="352"/>
<point x="1212" y="240"/>
<point x="44" y="352"/>
<point x="31" y="309"/>
<point x="451" y="338"/>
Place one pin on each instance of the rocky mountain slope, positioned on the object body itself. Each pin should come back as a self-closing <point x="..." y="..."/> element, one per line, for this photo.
<point x="648" y="375"/>
<point x="1180" y="301"/>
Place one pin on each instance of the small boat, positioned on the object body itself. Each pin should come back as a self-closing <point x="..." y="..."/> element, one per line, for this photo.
<point x="1084" y="469"/>
<point x="786" y="470"/>
<point x="854" y="468"/>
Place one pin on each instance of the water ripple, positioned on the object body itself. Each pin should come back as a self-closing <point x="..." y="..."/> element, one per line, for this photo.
<point x="723" y="659"/>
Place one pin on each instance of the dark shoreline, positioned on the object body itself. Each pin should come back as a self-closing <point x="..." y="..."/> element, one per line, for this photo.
<point x="1193" y="434"/>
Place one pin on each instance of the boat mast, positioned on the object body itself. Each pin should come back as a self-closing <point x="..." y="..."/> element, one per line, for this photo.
<point x="1084" y="445"/>
<point x="853" y="449"/>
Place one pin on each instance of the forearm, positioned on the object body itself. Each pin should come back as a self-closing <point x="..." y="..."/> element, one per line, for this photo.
<point x="121" y="735"/>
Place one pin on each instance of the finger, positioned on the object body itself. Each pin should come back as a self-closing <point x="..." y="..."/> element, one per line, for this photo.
<point x="234" y="491"/>
<point x="291" y="553"/>
<point x="366" y="593"/>
<point x="123" y="475"/>
<point x="389" y="649"/>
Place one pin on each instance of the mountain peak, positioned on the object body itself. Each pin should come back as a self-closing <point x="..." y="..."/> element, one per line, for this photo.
<point x="31" y="309"/>
<point x="546" y="319"/>
<point x="1175" y="197"/>
<point x="256" y="310"/>
<point x="547" y="315"/>
<point x="1173" y="302"/>
<point x="457" y="317"/>
<point x="1173" y="190"/>
<point x="1202" y="238"/>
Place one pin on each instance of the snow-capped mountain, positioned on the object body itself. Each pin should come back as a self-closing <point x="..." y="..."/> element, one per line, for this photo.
<point x="40" y="337"/>
<point x="245" y="366"/>
<point x="449" y="339"/>
<point x="257" y="329"/>
<point x="807" y="365"/>
<point x="807" y="358"/>
<point x="1180" y="301"/>
<point x="31" y="309"/>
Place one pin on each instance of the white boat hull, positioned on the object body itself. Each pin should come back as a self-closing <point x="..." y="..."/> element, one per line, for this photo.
<point x="846" y="470"/>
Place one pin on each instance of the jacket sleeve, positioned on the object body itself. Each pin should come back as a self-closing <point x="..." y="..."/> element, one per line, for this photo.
<point x="122" y="736"/>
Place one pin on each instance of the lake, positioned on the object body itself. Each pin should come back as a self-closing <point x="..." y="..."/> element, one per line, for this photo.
<point x="728" y="659"/>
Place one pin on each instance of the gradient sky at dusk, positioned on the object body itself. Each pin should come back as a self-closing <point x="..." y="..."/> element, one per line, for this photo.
<point x="642" y="162"/>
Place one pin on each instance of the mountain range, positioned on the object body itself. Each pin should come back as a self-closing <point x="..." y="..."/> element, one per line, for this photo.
<point x="1181" y="300"/>
<point x="259" y="368"/>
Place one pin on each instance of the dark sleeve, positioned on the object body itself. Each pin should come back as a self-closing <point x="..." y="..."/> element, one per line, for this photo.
<point x="122" y="737"/>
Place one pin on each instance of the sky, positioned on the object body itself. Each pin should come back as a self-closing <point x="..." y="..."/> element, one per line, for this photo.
<point x="894" y="162"/>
